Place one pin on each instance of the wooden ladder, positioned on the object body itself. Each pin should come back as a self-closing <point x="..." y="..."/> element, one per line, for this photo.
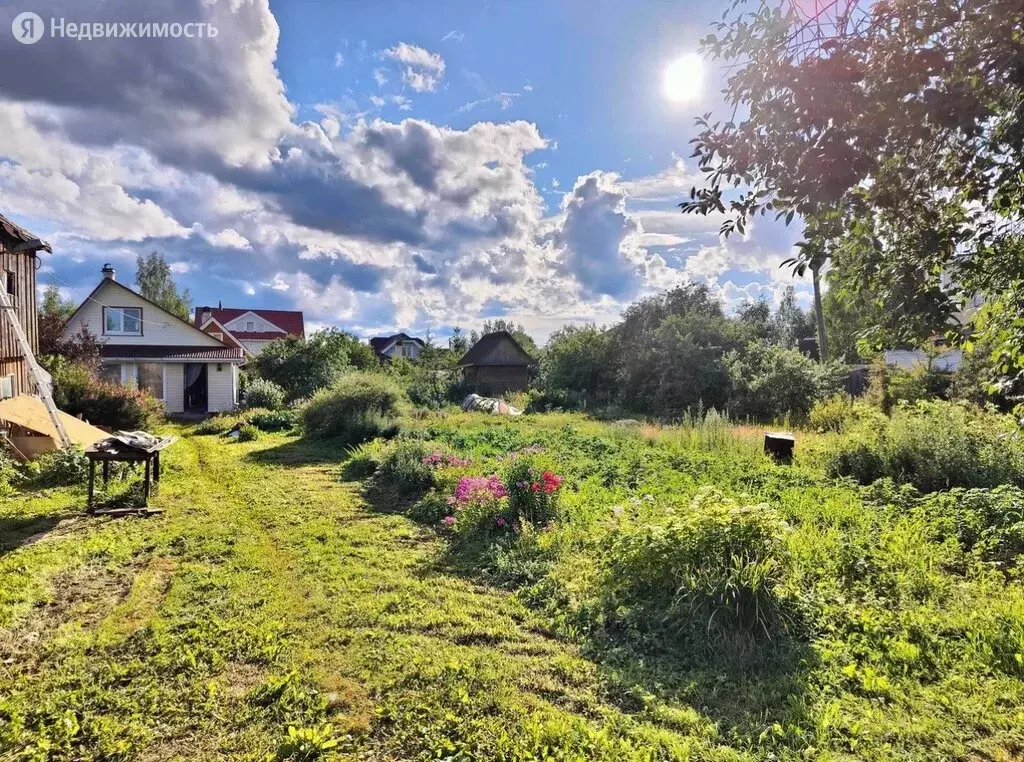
<point x="38" y="374"/>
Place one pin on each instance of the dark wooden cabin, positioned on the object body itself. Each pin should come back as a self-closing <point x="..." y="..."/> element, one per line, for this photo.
<point x="497" y="364"/>
<point x="19" y="261"/>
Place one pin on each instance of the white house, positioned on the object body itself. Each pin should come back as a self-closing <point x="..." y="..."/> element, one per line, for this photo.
<point x="144" y="345"/>
<point x="397" y="345"/>
<point x="908" y="359"/>
<point x="249" y="329"/>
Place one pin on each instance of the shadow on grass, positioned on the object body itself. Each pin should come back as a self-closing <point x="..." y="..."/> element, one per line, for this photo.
<point x="17" y="531"/>
<point x="744" y="686"/>
<point x="301" y="452"/>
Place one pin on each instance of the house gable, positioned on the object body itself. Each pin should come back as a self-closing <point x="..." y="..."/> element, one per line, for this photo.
<point x="258" y="323"/>
<point x="158" y="327"/>
<point x="498" y="348"/>
<point x="219" y="332"/>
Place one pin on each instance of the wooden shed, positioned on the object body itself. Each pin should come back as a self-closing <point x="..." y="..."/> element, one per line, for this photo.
<point x="497" y="364"/>
<point x="18" y="264"/>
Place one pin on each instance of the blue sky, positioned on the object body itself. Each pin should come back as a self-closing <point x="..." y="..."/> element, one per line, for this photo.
<point x="381" y="166"/>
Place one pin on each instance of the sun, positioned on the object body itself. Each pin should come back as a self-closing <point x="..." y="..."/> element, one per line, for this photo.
<point x="683" y="81"/>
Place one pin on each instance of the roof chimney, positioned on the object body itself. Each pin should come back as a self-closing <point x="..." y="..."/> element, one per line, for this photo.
<point x="109" y="271"/>
<point x="204" y="315"/>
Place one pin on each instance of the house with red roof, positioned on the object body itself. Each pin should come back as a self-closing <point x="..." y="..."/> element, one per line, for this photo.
<point x="249" y="329"/>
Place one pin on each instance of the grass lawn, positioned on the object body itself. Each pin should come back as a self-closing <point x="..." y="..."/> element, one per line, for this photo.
<point x="270" y="612"/>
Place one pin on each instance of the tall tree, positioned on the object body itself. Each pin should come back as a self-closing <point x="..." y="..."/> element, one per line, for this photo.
<point x="895" y="131"/>
<point x="53" y="314"/>
<point x="155" y="282"/>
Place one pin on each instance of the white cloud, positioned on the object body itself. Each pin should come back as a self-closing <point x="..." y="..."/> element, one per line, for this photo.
<point x="339" y="60"/>
<point x="504" y="101"/>
<point x="380" y="77"/>
<point x="423" y="69"/>
<point x="527" y="88"/>
<point x="455" y="35"/>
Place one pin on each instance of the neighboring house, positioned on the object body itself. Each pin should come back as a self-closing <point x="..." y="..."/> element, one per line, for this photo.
<point x="496" y="364"/>
<point x="250" y="330"/>
<point x="146" y="346"/>
<point x="19" y="261"/>
<point x="399" y="345"/>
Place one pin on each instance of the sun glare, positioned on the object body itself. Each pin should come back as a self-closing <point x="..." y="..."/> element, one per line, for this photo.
<point x="683" y="81"/>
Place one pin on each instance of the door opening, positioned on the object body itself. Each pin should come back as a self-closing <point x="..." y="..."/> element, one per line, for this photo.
<point x="195" y="388"/>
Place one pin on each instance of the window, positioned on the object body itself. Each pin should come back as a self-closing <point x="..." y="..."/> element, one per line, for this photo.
<point x="6" y="387"/>
<point x="150" y="376"/>
<point x="8" y="283"/>
<point x="250" y="326"/>
<point x="110" y="373"/>
<point x="122" y="321"/>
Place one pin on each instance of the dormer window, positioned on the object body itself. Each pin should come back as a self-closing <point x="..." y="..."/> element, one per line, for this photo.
<point x="122" y="321"/>
<point x="250" y="326"/>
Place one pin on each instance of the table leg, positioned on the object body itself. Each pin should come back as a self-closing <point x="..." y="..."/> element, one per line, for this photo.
<point x="92" y="484"/>
<point x="145" y="487"/>
<point x="106" y="473"/>
<point x="156" y="468"/>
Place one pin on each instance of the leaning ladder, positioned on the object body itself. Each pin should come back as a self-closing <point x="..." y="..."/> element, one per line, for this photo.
<point x="42" y="383"/>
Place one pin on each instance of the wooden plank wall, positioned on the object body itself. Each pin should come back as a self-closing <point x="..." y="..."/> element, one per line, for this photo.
<point x="24" y="268"/>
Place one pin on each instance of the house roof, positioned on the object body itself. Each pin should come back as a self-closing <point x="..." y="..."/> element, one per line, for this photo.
<point x="162" y="352"/>
<point x="381" y="343"/>
<point x="19" y="233"/>
<point x="289" y="321"/>
<point x="117" y="283"/>
<point x="477" y="354"/>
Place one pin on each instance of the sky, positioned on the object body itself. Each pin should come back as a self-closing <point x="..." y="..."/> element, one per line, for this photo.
<point x="380" y="166"/>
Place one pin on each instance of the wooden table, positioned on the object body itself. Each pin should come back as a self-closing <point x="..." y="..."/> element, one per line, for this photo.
<point x="115" y="452"/>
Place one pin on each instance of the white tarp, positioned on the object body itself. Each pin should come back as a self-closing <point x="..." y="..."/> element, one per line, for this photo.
<point x="489" y="405"/>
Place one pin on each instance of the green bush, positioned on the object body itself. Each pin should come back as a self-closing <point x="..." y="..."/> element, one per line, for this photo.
<point x="216" y="424"/>
<point x="248" y="433"/>
<point x="274" y="420"/>
<point x="10" y="475"/>
<point x="78" y="392"/>
<point x="711" y="574"/>
<point x="261" y="393"/>
<point x="831" y="414"/>
<point x="359" y="407"/>
<point x="770" y="382"/>
<point x="402" y="471"/>
<point x="933" y="446"/>
<point x="60" y="468"/>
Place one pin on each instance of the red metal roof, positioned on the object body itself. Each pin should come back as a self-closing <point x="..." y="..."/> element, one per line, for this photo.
<point x="161" y="352"/>
<point x="287" y="320"/>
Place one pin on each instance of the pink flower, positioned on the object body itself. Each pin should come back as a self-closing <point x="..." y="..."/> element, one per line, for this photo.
<point x="448" y="521"/>
<point x="500" y="521"/>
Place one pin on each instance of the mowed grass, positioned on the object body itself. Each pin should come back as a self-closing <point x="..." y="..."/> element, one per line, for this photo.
<point x="268" y="596"/>
<point x="272" y="613"/>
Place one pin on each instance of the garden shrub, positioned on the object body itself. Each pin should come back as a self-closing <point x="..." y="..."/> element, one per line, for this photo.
<point x="261" y="393"/>
<point x="10" y="475"/>
<point x="832" y="414"/>
<point x="932" y="445"/>
<point x="248" y="433"/>
<point x="770" y="382"/>
<point x="274" y="420"/>
<point x="78" y="392"/>
<point x="404" y="472"/>
<point x="359" y="407"/>
<point x="712" y="572"/>
<point x="60" y="468"/>
<point x="215" y="424"/>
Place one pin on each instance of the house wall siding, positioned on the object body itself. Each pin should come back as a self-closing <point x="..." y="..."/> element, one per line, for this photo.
<point x="498" y="379"/>
<point x="174" y="387"/>
<point x="220" y="387"/>
<point x="11" y="362"/>
<point x="158" y="327"/>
